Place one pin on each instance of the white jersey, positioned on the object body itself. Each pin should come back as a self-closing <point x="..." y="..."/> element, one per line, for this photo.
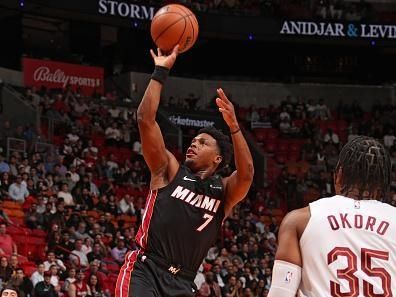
<point x="349" y="249"/>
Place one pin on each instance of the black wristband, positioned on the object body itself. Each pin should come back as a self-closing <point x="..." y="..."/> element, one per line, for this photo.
<point x="160" y="74"/>
<point x="236" y="131"/>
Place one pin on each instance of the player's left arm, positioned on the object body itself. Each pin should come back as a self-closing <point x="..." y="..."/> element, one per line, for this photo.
<point x="238" y="183"/>
<point x="286" y="273"/>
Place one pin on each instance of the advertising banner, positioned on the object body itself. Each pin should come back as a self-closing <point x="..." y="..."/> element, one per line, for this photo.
<point x="58" y="75"/>
<point x="194" y="119"/>
<point x="340" y="30"/>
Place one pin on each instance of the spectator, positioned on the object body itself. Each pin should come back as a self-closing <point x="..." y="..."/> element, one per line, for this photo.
<point x="113" y="135"/>
<point x="65" y="194"/>
<point x="9" y="291"/>
<point x="18" y="191"/>
<point x="79" y="288"/>
<point x="4" y="167"/>
<point x="71" y="278"/>
<point x="94" y="270"/>
<point x="97" y="253"/>
<point x="75" y="177"/>
<point x="13" y="166"/>
<point x="54" y="241"/>
<point x="118" y="253"/>
<point x="107" y="225"/>
<point x="209" y="287"/>
<point x="14" y="263"/>
<point x="7" y="245"/>
<point x="32" y="218"/>
<point x="95" y="287"/>
<point x="54" y="280"/>
<point x="87" y="246"/>
<point x="200" y="277"/>
<point x="5" y="270"/>
<point x="44" y="288"/>
<point x="284" y="115"/>
<point x="77" y="257"/>
<point x="322" y="111"/>
<point x="5" y="184"/>
<point x="3" y="215"/>
<point x="285" y="126"/>
<point x="38" y="275"/>
<point x="217" y="276"/>
<point x="52" y="260"/>
<point x="137" y="147"/>
<point x="331" y="137"/>
<point x="126" y="206"/>
<point x="389" y="139"/>
<point x="22" y="283"/>
<point x="81" y="232"/>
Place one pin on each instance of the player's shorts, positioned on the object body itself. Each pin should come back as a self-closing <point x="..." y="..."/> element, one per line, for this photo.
<point x="148" y="276"/>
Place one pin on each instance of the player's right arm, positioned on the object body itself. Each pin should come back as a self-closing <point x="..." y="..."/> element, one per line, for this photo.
<point x="286" y="274"/>
<point x="162" y="164"/>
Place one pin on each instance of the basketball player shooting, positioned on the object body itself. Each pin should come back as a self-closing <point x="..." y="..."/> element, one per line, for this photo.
<point x="344" y="245"/>
<point x="187" y="203"/>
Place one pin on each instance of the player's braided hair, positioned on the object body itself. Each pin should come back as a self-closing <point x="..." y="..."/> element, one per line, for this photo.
<point x="223" y="142"/>
<point x="366" y="166"/>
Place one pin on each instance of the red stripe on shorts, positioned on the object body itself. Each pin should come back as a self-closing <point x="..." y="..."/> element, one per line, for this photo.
<point x="142" y="235"/>
<point x="124" y="277"/>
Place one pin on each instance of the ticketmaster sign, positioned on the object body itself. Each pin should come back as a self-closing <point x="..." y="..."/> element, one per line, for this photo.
<point x="126" y="10"/>
<point x="190" y="122"/>
<point x="324" y="29"/>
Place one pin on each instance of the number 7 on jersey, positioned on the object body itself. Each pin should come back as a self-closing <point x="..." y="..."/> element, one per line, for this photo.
<point x="208" y="218"/>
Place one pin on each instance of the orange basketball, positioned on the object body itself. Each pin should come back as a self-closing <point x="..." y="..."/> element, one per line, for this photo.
<point x="174" y="24"/>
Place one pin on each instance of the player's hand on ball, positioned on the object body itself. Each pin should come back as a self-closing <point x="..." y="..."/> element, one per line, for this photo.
<point x="227" y="110"/>
<point x="161" y="59"/>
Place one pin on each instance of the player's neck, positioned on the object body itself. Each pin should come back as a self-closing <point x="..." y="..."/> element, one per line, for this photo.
<point x="204" y="173"/>
<point x="357" y="195"/>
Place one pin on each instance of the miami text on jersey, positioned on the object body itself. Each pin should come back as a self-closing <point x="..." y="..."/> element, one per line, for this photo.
<point x="197" y="200"/>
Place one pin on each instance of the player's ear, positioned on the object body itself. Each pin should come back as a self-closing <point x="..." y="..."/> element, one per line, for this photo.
<point x="218" y="159"/>
<point x="338" y="180"/>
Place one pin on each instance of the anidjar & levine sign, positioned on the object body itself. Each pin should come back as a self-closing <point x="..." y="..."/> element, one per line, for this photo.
<point x="126" y="10"/>
<point x="338" y="30"/>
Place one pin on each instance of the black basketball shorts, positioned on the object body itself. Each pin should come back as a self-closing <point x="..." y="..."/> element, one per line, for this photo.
<point x="140" y="276"/>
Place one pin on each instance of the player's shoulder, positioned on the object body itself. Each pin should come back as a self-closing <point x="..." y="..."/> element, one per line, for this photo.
<point x="297" y="220"/>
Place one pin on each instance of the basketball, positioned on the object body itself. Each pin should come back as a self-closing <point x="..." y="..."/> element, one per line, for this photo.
<point x="174" y="24"/>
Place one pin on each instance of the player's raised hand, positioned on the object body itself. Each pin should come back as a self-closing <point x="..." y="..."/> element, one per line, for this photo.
<point x="227" y="110"/>
<point x="165" y="60"/>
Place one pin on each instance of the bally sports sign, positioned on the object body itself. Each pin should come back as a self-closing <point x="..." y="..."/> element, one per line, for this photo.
<point x="324" y="29"/>
<point x="58" y="75"/>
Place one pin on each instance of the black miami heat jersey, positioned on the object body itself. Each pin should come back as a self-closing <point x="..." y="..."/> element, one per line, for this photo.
<point x="182" y="220"/>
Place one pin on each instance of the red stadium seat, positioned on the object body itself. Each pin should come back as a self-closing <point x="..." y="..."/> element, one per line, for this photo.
<point x="281" y="157"/>
<point x="272" y="134"/>
<point x="29" y="268"/>
<point x="242" y="113"/>
<point x="15" y="213"/>
<point x="260" y="134"/>
<point x="342" y="126"/>
<point x="113" y="267"/>
<point x="11" y="205"/>
<point x="283" y="145"/>
<point x="293" y="156"/>
<point x="98" y="140"/>
<point x="294" y="147"/>
<point x="298" y="123"/>
<point x="270" y="146"/>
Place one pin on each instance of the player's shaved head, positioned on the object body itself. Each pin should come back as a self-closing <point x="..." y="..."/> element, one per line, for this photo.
<point x="364" y="166"/>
